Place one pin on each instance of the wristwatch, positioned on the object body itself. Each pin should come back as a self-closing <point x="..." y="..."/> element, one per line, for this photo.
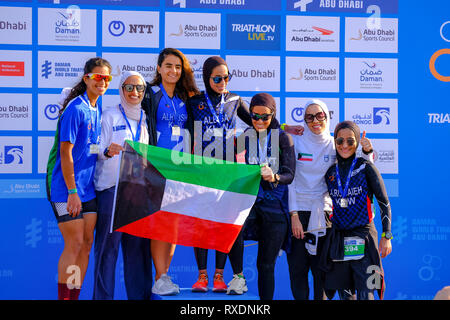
<point x="105" y="153"/>
<point x="387" y="235"/>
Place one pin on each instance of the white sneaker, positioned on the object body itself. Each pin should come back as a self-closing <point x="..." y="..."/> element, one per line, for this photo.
<point x="165" y="287"/>
<point x="237" y="285"/>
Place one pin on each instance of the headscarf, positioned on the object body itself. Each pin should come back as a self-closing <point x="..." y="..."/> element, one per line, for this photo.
<point x="266" y="100"/>
<point x="208" y="67"/>
<point x="133" y="111"/>
<point x="325" y="135"/>
<point x="348" y="125"/>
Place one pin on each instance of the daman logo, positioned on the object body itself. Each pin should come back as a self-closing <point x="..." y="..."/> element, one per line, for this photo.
<point x="370" y="73"/>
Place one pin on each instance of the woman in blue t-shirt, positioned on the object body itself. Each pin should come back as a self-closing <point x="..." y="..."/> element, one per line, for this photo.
<point x="164" y="105"/>
<point x="70" y="174"/>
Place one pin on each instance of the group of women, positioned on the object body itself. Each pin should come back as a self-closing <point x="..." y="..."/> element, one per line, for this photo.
<point x="301" y="205"/>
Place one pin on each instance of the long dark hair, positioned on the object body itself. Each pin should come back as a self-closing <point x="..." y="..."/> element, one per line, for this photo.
<point x="80" y="87"/>
<point x="185" y="86"/>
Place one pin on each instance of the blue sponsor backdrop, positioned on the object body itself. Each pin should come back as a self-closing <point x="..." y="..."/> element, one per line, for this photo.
<point x="419" y="265"/>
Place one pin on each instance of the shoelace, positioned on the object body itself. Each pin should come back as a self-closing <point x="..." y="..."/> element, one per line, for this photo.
<point x="202" y="277"/>
<point x="218" y="277"/>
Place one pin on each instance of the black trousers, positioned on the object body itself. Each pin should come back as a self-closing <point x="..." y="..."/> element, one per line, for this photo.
<point x="301" y="262"/>
<point x="272" y="231"/>
<point x="236" y="256"/>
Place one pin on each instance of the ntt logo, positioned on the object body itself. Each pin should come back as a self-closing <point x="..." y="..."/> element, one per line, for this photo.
<point x="116" y="28"/>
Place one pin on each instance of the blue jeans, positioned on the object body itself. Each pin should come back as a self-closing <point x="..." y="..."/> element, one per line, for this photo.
<point x="136" y="256"/>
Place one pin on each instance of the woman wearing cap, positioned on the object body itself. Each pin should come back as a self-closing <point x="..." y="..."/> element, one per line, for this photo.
<point x="70" y="174"/>
<point x="309" y="201"/>
<point x="268" y="221"/>
<point x="167" y="117"/>
<point x="351" y="257"/>
<point x="125" y="121"/>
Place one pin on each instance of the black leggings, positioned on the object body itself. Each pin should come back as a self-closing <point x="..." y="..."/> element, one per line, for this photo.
<point x="236" y="255"/>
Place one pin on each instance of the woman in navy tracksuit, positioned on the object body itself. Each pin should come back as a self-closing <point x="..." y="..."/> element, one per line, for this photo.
<point x="269" y="221"/>
<point x="351" y="255"/>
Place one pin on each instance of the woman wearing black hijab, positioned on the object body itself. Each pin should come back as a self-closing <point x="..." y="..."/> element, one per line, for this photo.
<point x="268" y="221"/>
<point x="214" y="113"/>
<point x="351" y="255"/>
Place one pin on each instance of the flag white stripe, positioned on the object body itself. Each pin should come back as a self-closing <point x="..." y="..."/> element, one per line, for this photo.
<point x="206" y="203"/>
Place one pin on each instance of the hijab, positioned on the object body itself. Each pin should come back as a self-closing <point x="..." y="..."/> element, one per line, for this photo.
<point x="325" y="136"/>
<point x="266" y="100"/>
<point x="133" y="111"/>
<point x="208" y="67"/>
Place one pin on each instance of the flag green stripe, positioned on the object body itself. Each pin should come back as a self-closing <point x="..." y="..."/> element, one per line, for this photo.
<point x="189" y="168"/>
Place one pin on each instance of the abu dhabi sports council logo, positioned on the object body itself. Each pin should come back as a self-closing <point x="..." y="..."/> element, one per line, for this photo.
<point x="116" y="28"/>
<point x="12" y="155"/>
<point x="381" y="116"/>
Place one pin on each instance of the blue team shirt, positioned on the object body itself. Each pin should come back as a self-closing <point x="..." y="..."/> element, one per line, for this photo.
<point x="171" y="112"/>
<point x="79" y="125"/>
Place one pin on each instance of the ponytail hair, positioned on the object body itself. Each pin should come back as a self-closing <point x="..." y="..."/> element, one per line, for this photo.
<point x="80" y="87"/>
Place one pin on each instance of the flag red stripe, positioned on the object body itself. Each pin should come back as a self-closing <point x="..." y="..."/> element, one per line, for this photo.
<point x="201" y="233"/>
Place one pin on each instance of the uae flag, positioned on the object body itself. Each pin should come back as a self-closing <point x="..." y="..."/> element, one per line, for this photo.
<point x="182" y="198"/>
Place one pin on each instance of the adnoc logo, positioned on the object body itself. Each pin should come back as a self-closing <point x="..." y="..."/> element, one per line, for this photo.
<point x="13" y="155"/>
<point x="381" y="116"/>
<point x="254" y="32"/>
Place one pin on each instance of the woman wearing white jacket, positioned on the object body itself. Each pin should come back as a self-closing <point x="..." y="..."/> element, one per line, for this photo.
<point x="124" y="121"/>
<point x="309" y="201"/>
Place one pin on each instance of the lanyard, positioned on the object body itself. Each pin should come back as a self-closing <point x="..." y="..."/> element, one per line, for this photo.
<point x="138" y="129"/>
<point x="344" y="192"/>
<point x="262" y="156"/>
<point x="213" y="112"/>
<point x="169" y="102"/>
<point x="93" y="134"/>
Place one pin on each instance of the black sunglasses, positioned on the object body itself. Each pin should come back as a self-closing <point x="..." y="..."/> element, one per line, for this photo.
<point x="320" y="116"/>
<point x="263" y="117"/>
<point x="130" y="87"/>
<point x="218" y="79"/>
<point x="350" y="141"/>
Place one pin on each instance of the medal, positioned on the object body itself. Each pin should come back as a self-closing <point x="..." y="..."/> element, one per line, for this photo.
<point x="94" y="149"/>
<point x="343" y="203"/>
<point x="176" y="131"/>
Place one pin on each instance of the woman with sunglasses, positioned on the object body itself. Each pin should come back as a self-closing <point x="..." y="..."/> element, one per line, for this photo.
<point x="268" y="220"/>
<point x="309" y="202"/>
<point x="164" y="105"/>
<point x="125" y="121"/>
<point x="214" y="113"/>
<point x="351" y="256"/>
<point x="70" y="174"/>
